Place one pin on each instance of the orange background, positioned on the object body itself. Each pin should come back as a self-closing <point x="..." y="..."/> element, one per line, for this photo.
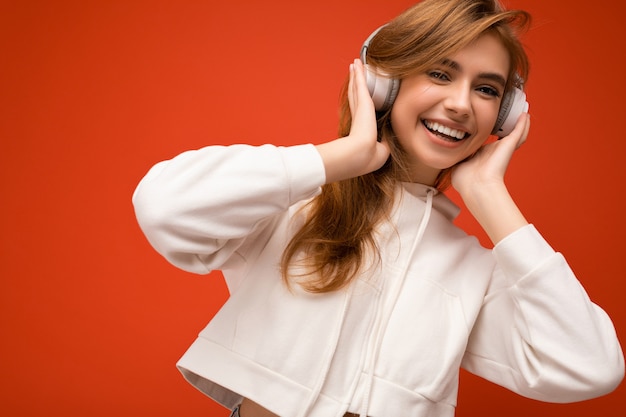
<point x="92" y="93"/>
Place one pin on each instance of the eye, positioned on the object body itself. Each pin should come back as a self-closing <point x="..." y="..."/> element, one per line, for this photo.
<point x="439" y="75"/>
<point x="489" y="91"/>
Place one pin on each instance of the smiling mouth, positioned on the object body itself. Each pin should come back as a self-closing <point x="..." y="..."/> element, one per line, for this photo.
<point x="445" y="132"/>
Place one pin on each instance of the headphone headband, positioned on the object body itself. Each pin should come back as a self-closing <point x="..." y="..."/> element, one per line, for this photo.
<point x="366" y="44"/>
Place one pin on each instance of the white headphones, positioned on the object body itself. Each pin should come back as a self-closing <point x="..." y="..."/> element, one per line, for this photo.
<point x="384" y="90"/>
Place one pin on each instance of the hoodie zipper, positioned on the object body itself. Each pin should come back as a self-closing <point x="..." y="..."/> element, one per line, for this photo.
<point x="382" y="320"/>
<point x="378" y="328"/>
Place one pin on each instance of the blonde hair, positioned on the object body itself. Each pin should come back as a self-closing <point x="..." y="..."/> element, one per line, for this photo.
<point x="338" y="232"/>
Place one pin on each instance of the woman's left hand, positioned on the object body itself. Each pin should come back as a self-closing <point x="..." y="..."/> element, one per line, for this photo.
<point x="480" y="182"/>
<point x="488" y="165"/>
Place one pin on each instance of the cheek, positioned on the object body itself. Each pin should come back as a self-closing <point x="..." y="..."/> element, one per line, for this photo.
<point x="414" y="97"/>
<point x="399" y="119"/>
<point x="487" y="115"/>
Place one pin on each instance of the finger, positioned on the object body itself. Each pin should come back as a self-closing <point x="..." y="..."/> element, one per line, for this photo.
<point x="351" y="89"/>
<point x="520" y="131"/>
<point x="361" y="99"/>
<point x="522" y="139"/>
<point x="359" y="78"/>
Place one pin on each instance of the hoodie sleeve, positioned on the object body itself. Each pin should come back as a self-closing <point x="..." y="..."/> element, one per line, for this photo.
<point x="199" y="208"/>
<point x="538" y="333"/>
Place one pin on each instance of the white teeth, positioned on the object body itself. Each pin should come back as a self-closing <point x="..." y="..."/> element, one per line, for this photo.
<point x="458" y="134"/>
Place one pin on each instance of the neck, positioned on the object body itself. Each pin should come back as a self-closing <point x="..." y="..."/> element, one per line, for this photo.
<point x="424" y="175"/>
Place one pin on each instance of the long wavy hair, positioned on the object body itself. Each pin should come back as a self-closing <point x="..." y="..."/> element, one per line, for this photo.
<point x="337" y="237"/>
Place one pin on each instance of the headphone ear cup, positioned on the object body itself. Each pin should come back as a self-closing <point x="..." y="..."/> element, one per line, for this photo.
<point x="382" y="89"/>
<point x="513" y="105"/>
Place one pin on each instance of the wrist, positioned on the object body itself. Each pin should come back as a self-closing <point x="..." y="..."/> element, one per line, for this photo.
<point x="343" y="158"/>
<point x="482" y="193"/>
<point x="493" y="207"/>
<point x="336" y="162"/>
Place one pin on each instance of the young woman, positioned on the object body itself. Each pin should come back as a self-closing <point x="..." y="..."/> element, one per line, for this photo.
<point x="352" y="292"/>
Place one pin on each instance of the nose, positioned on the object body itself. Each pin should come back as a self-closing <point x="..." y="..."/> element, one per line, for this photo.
<point x="458" y="101"/>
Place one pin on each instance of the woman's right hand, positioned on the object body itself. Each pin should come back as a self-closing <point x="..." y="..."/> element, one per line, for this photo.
<point x="363" y="127"/>
<point x="360" y="152"/>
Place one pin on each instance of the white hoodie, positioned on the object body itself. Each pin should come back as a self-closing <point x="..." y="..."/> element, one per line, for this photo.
<point x="392" y="343"/>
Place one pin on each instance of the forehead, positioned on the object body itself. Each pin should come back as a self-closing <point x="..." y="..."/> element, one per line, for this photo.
<point x="485" y="54"/>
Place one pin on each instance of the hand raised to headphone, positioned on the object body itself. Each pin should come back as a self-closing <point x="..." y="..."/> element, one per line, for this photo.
<point x="360" y="152"/>
<point x="480" y="182"/>
<point x="488" y="165"/>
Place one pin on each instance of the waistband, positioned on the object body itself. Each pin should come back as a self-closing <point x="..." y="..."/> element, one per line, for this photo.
<point x="235" y="413"/>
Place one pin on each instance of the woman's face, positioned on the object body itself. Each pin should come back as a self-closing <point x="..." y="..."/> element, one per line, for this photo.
<point x="445" y="114"/>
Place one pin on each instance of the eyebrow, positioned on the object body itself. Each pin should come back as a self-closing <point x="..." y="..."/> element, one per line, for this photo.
<point x="493" y="76"/>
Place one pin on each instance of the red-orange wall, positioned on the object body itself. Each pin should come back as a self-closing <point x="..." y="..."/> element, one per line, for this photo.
<point x="92" y="93"/>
